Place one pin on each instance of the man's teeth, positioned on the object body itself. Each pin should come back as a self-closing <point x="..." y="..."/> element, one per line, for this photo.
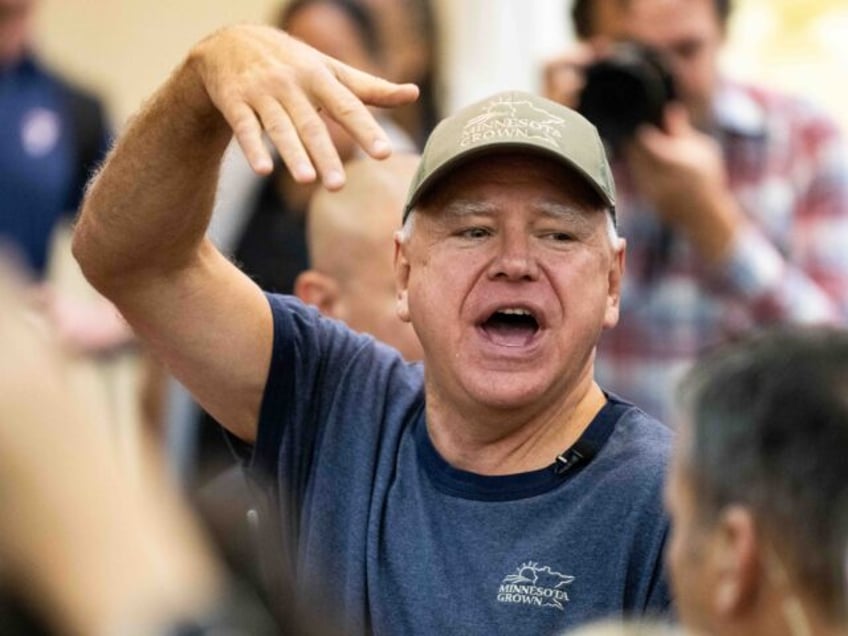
<point x="514" y="312"/>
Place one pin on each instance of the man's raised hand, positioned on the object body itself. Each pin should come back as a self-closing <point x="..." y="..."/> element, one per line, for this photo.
<point x="260" y="78"/>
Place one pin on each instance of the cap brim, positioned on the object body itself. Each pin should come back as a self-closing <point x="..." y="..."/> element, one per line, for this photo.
<point x="501" y="146"/>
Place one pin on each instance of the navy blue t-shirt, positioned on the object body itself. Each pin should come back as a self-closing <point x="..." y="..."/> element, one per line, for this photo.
<point x="387" y="537"/>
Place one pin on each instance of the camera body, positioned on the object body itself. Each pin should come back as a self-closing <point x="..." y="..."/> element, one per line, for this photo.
<point x="625" y="89"/>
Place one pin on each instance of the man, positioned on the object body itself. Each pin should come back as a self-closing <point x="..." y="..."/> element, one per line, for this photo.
<point x="497" y="485"/>
<point x="759" y="488"/>
<point x="51" y="136"/>
<point x="350" y="236"/>
<point x="735" y="209"/>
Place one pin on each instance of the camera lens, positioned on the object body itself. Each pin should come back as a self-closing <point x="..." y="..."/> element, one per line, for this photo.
<point x="629" y="87"/>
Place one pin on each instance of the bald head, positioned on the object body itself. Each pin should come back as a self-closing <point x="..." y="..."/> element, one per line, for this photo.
<point x="350" y="234"/>
<point x="350" y="228"/>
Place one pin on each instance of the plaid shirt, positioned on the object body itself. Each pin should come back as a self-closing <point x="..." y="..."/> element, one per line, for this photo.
<point x="788" y="168"/>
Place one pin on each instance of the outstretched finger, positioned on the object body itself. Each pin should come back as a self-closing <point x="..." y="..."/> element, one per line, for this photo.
<point x="349" y="111"/>
<point x="371" y="89"/>
<point x="315" y="137"/>
<point x="248" y="133"/>
<point x="283" y="134"/>
<point x="563" y="75"/>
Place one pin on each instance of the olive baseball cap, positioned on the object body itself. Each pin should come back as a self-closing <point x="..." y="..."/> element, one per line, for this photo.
<point x="514" y="120"/>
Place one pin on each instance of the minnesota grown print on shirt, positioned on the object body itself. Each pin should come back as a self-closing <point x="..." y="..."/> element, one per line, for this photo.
<point x="535" y="585"/>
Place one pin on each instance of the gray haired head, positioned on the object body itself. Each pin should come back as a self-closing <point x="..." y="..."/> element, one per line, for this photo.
<point x="768" y="429"/>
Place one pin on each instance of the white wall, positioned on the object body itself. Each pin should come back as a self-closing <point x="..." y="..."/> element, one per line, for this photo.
<point x="492" y="45"/>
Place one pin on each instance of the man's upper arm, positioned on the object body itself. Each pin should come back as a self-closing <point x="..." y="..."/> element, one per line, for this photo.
<point x="212" y="326"/>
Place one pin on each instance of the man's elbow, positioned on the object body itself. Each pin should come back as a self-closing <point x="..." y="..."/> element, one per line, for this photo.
<point x="85" y="251"/>
<point x="97" y="252"/>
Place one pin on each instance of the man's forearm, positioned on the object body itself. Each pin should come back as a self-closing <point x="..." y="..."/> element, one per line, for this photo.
<point x="147" y="210"/>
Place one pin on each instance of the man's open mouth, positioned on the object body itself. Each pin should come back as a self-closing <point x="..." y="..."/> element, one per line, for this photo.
<point x="511" y="326"/>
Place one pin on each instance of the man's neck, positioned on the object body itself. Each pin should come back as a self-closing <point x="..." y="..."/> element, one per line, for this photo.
<point x="505" y="443"/>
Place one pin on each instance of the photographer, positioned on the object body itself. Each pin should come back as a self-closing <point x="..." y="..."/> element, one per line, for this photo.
<point x="734" y="201"/>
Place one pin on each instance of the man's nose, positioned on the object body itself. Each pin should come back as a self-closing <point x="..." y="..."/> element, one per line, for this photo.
<point x="515" y="259"/>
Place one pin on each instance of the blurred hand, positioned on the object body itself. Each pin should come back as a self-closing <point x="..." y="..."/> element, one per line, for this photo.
<point x="563" y="76"/>
<point x="259" y="78"/>
<point x="681" y="172"/>
<point x="94" y="549"/>
<point x="86" y="327"/>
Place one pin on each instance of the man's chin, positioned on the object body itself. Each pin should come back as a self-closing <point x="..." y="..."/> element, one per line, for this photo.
<point x="508" y="392"/>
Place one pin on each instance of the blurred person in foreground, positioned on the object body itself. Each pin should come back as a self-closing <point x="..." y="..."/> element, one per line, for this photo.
<point x="628" y="628"/>
<point x="496" y="484"/>
<point x="734" y="205"/>
<point x="758" y="490"/>
<point x="87" y="545"/>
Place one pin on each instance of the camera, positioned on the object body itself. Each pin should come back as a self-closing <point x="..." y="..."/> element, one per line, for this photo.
<point x="629" y="87"/>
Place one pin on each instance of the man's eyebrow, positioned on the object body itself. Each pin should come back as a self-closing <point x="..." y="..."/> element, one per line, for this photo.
<point x="459" y="208"/>
<point x="557" y="210"/>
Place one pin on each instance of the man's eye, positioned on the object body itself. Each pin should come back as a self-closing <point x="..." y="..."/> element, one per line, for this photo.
<point x="560" y="237"/>
<point x="474" y="233"/>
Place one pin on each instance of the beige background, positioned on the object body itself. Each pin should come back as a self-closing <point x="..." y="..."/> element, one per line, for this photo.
<point x="124" y="48"/>
<point x="798" y="45"/>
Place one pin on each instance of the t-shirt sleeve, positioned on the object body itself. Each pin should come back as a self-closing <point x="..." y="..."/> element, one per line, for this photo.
<point x="643" y="459"/>
<point x="326" y="383"/>
<point x="308" y="350"/>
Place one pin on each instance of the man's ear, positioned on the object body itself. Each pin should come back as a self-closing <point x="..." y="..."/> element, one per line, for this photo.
<point x="401" y="278"/>
<point x="614" y="278"/>
<point x="321" y="290"/>
<point x="737" y="561"/>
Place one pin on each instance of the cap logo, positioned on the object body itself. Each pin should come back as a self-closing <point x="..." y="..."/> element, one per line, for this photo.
<point x="505" y="119"/>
